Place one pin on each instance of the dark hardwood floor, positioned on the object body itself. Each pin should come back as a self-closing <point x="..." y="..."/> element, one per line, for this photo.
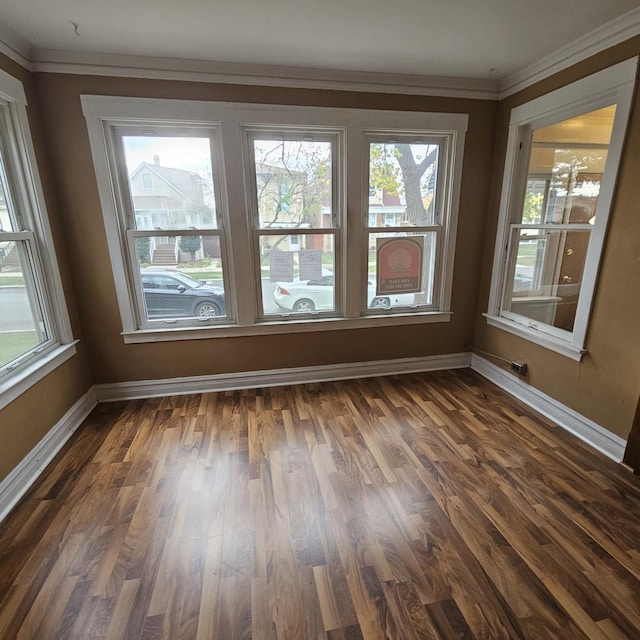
<point x="406" y="507"/>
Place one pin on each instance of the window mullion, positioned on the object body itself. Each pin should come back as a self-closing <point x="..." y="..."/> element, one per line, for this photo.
<point x="355" y="237"/>
<point x="241" y="273"/>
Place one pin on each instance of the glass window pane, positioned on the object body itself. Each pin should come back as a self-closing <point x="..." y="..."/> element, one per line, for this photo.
<point x="297" y="273"/>
<point x="181" y="277"/>
<point x="171" y="182"/>
<point x="7" y="220"/>
<point x="565" y="169"/>
<point x="401" y="266"/>
<point x="402" y="184"/>
<point x="20" y="318"/>
<point x="293" y="183"/>
<point x="545" y="275"/>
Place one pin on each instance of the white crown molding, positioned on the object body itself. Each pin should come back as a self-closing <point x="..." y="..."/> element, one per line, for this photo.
<point x="79" y="63"/>
<point x="593" y="434"/>
<point x="72" y="62"/>
<point x="606" y="36"/>
<point x="15" y="48"/>
<point x="18" y="482"/>
<point x="277" y="377"/>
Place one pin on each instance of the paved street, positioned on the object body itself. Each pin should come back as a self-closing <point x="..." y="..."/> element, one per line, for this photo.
<point x="15" y="314"/>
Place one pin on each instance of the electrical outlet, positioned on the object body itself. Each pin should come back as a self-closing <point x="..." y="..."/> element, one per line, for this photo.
<point x="519" y="367"/>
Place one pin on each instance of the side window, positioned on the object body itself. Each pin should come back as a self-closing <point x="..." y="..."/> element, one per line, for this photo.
<point x="34" y="326"/>
<point x="564" y="154"/>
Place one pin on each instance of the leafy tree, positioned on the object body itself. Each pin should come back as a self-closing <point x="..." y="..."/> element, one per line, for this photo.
<point x="143" y="249"/>
<point x="394" y="169"/>
<point x="293" y="178"/>
<point x="191" y="245"/>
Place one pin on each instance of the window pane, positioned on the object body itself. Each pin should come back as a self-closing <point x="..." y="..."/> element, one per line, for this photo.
<point x="297" y="273"/>
<point x="171" y="182"/>
<point x="181" y="277"/>
<point x="7" y="223"/>
<point x="20" y="318"/>
<point x="402" y="184"/>
<point x="565" y="169"/>
<point x="546" y="274"/>
<point x="293" y="183"/>
<point x="402" y="266"/>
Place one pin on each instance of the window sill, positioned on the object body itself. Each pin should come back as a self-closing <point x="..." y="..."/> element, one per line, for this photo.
<point x="17" y="383"/>
<point x="546" y="341"/>
<point x="291" y="326"/>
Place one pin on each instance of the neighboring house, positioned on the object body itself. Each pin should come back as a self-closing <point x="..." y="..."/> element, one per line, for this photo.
<point x="165" y="198"/>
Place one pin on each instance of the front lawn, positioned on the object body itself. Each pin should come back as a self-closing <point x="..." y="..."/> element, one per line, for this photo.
<point x="15" y="343"/>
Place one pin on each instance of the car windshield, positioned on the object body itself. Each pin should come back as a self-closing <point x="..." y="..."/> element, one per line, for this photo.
<point x="192" y="282"/>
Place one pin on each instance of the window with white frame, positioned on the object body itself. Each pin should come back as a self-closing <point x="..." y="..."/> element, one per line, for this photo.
<point x="563" y="155"/>
<point x="266" y="210"/>
<point x="35" y="335"/>
<point x="178" y="224"/>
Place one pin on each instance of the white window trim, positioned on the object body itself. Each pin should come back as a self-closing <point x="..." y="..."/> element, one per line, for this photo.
<point x="62" y="346"/>
<point x="105" y="111"/>
<point x="613" y="85"/>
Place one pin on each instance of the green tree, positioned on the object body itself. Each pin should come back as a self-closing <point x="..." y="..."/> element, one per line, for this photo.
<point x="143" y="249"/>
<point x="191" y="245"/>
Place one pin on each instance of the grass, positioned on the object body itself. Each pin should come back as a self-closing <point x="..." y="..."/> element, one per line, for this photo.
<point x="11" y="279"/>
<point x="15" y="343"/>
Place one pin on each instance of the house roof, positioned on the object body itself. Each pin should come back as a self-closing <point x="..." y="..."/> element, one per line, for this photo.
<point x="168" y="175"/>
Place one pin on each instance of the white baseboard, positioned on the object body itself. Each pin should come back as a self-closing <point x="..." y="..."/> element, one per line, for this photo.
<point x="277" y="377"/>
<point x="16" y="484"/>
<point x="598" y="437"/>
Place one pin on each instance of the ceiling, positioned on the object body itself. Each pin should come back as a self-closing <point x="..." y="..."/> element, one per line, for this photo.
<point x="470" y="39"/>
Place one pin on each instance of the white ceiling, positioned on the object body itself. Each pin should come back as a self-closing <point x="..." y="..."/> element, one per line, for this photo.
<point x="472" y="39"/>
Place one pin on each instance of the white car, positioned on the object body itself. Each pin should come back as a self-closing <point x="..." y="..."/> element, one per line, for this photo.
<point x="304" y="296"/>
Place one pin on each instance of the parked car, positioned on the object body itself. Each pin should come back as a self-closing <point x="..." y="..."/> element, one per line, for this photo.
<point x="169" y="293"/>
<point x="304" y="296"/>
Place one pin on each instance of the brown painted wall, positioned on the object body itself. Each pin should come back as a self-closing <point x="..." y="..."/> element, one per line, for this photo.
<point x="605" y="386"/>
<point x="25" y="421"/>
<point x="113" y="361"/>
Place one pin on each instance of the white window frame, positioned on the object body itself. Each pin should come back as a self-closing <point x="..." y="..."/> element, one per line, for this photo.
<point x="439" y="287"/>
<point x="336" y="139"/>
<point x="35" y="234"/>
<point x="136" y="314"/>
<point x="614" y="85"/>
<point x="234" y="121"/>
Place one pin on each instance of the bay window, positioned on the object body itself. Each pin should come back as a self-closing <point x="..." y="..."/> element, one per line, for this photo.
<point x="268" y="212"/>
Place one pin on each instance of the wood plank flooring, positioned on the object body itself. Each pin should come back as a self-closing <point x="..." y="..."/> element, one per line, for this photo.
<point x="405" y="507"/>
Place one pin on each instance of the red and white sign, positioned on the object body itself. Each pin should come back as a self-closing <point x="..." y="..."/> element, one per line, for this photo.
<point x="399" y="265"/>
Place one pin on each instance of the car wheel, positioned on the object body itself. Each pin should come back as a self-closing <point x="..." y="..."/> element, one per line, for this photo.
<point x="304" y="305"/>
<point x="207" y="310"/>
<point x="380" y="303"/>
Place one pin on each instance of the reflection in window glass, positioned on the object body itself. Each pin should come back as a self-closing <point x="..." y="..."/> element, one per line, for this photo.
<point x="565" y="169"/>
<point x="297" y="273"/>
<point x="293" y="183"/>
<point x="546" y="275"/>
<point x="546" y="266"/>
<point x="404" y="175"/>
<point x="170" y="182"/>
